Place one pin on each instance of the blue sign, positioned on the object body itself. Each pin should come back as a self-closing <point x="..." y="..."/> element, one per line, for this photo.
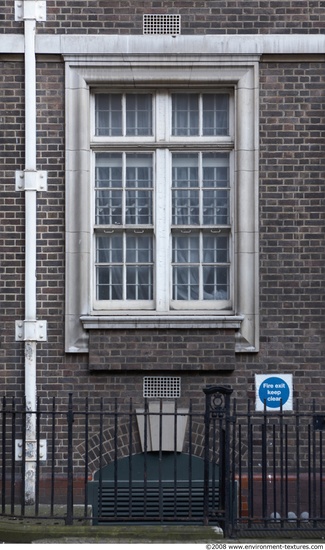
<point x="272" y="390"/>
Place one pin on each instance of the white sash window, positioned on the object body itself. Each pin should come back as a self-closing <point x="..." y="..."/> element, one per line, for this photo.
<point x="155" y="204"/>
<point x="161" y="189"/>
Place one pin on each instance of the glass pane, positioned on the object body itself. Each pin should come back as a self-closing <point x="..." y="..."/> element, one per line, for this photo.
<point x="216" y="190"/>
<point x="196" y="273"/>
<point x="185" y="114"/>
<point x="138" y="208"/>
<point x="109" y="283"/>
<point x="130" y="267"/>
<point x="110" y="249"/>
<point x="139" y="249"/>
<point x="108" y="207"/>
<point x="108" y="189"/>
<point x="186" y="249"/>
<point x="108" y="115"/>
<point x="185" y="199"/>
<point x="138" y="115"/>
<point x="186" y="207"/>
<point x="215" y="114"/>
<point x="215" y="283"/>
<point x="185" y="170"/>
<point x="139" y="284"/>
<point x="215" y="168"/>
<point x="185" y="283"/>
<point x="110" y="277"/>
<point x="215" y="249"/>
<point x="215" y="207"/>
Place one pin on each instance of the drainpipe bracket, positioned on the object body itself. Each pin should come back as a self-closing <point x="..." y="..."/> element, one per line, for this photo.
<point x="31" y="450"/>
<point x="32" y="331"/>
<point x="30" y="9"/>
<point x="31" y="180"/>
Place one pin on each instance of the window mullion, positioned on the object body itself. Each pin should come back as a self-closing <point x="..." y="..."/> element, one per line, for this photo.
<point x="124" y="217"/>
<point x="201" y="266"/>
<point x="124" y="266"/>
<point x="162" y="116"/>
<point x="123" y="115"/>
<point x="200" y="184"/>
<point x="162" y="229"/>
<point x="123" y="189"/>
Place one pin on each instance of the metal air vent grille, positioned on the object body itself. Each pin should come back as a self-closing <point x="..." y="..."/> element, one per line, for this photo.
<point x="161" y="24"/>
<point x="162" y="386"/>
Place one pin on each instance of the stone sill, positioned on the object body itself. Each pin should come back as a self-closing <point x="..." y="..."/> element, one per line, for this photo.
<point x="111" y="322"/>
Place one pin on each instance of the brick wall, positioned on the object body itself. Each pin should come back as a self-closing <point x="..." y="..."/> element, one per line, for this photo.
<point x="198" y="16"/>
<point x="292" y="169"/>
<point x="12" y="220"/>
<point x="292" y="220"/>
<point x="156" y="350"/>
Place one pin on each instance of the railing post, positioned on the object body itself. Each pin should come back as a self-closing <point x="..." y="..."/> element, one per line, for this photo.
<point x="217" y="404"/>
<point x="69" y="518"/>
<point x="3" y="453"/>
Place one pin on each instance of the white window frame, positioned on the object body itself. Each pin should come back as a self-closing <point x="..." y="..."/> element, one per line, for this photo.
<point x="162" y="145"/>
<point x="206" y="71"/>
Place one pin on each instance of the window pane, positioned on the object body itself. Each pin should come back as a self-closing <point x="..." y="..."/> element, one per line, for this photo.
<point x="215" y="207"/>
<point x="185" y="198"/>
<point x="138" y="115"/>
<point x="185" y="170"/>
<point x="186" y="249"/>
<point x="215" y="114"/>
<point x="124" y="267"/>
<point x="139" y="269"/>
<point x="215" y="169"/>
<point x="110" y="248"/>
<point x="215" y="283"/>
<point x="216" y="189"/>
<point x="123" y="199"/>
<point x="109" y="277"/>
<point x="215" y="249"/>
<point x="139" y="283"/>
<point x="185" y="283"/>
<point x="109" y="283"/>
<point x="138" y="207"/>
<point x="215" y="277"/>
<point x="139" y="249"/>
<point x="185" y="114"/>
<point x="186" y="256"/>
<point x="108" y="115"/>
<point x="200" y="267"/>
<point x="108" y="189"/>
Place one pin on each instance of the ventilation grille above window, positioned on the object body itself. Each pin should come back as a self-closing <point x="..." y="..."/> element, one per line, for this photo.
<point x="161" y="386"/>
<point x="161" y="24"/>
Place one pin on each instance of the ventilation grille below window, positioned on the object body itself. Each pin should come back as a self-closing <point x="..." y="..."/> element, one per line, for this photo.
<point x="162" y="386"/>
<point x="161" y="24"/>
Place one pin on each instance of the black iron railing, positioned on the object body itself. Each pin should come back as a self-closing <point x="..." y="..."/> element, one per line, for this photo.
<point x="212" y="462"/>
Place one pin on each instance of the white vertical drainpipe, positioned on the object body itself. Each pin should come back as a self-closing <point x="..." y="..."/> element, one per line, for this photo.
<point x="30" y="253"/>
<point x="30" y="330"/>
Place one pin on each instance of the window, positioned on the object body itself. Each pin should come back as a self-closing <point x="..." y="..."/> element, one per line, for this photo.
<point x="161" y="189"/>
<point x="129" y="217"/>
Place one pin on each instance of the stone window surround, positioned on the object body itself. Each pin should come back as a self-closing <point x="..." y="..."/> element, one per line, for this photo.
<point x="141" y="70"/>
